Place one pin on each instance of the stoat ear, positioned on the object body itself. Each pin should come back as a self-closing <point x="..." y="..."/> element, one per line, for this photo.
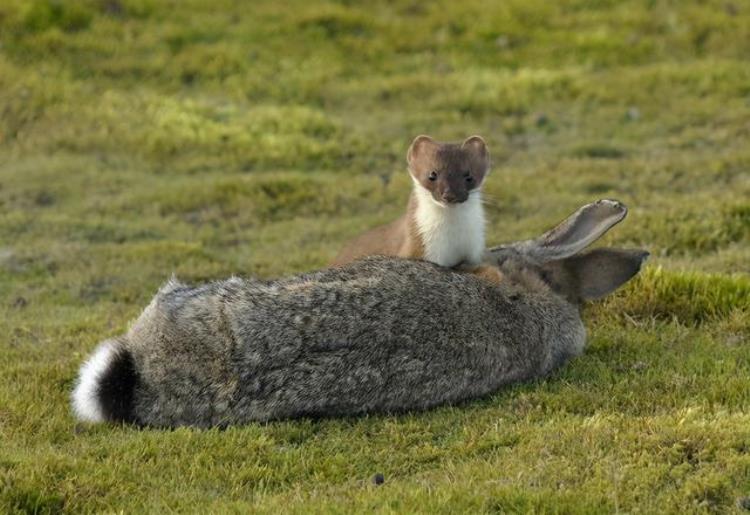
<point x="479" y="157"/>
<point x="476" y="146"/>
<point x="421" y="152"/>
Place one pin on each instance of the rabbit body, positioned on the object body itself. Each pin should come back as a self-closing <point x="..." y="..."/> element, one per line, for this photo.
<point x="380" y="335"/>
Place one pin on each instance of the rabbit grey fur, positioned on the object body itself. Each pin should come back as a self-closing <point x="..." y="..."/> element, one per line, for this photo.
<point x="380" y="335"/>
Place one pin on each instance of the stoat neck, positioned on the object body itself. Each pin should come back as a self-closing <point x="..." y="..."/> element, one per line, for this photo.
<point x="450" y="234"/>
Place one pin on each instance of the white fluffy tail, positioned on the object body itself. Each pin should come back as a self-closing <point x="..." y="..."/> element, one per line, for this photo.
<point x="86" y="398"/>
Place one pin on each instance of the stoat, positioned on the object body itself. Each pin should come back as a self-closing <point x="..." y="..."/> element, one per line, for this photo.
<point x="444" y="220"/>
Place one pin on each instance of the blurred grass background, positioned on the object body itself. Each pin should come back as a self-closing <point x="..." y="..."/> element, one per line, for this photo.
<point x="144" y="137"/>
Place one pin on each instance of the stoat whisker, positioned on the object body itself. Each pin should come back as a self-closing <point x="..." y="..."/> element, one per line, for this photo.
<point x="493" y="203"/>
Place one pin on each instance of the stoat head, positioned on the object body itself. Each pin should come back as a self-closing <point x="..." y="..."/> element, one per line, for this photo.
<point x="449" y="171"/>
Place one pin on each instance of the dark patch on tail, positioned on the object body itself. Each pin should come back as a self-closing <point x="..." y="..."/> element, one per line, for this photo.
<point x="116" y="388"/>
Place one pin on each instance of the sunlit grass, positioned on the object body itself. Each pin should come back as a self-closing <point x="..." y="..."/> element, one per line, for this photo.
<point x="141" y="138"/>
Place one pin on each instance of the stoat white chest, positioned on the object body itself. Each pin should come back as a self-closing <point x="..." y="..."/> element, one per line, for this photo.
<point x="451" y="234"/>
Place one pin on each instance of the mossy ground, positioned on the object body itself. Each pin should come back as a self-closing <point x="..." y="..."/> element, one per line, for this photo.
<point x="144" y="137"/>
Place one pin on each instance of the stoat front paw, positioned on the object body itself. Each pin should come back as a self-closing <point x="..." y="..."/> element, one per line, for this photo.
<point x="488" y="273"/>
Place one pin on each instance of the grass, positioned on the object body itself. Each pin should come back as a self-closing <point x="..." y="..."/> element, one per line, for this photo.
<point x="144" y="137"/>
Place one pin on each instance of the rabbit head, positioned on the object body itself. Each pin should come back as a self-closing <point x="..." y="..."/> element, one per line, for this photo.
<point x="556" y="260"/>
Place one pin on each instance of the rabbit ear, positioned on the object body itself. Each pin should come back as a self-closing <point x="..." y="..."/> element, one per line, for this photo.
<point x="601" y="271"/>
<point x="575" y="233"/>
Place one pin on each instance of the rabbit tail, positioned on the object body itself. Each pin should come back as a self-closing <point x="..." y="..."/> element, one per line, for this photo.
<point x="105" y="390"/>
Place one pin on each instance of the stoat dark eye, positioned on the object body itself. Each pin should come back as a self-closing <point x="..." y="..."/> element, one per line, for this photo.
<point x="468" y="177"/>
<point x="432" y="176"/>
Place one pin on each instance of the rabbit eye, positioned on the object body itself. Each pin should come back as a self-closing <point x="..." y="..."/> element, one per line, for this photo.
<point x="432" y="176"/>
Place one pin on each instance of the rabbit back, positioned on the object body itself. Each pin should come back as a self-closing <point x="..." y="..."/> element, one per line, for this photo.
<point x="380" y="335"/>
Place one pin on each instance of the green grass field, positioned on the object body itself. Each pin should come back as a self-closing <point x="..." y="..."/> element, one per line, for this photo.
<point x="144" y="137"/>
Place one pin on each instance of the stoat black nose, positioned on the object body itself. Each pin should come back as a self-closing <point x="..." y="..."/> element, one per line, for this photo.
<point x="449" y="197"/>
